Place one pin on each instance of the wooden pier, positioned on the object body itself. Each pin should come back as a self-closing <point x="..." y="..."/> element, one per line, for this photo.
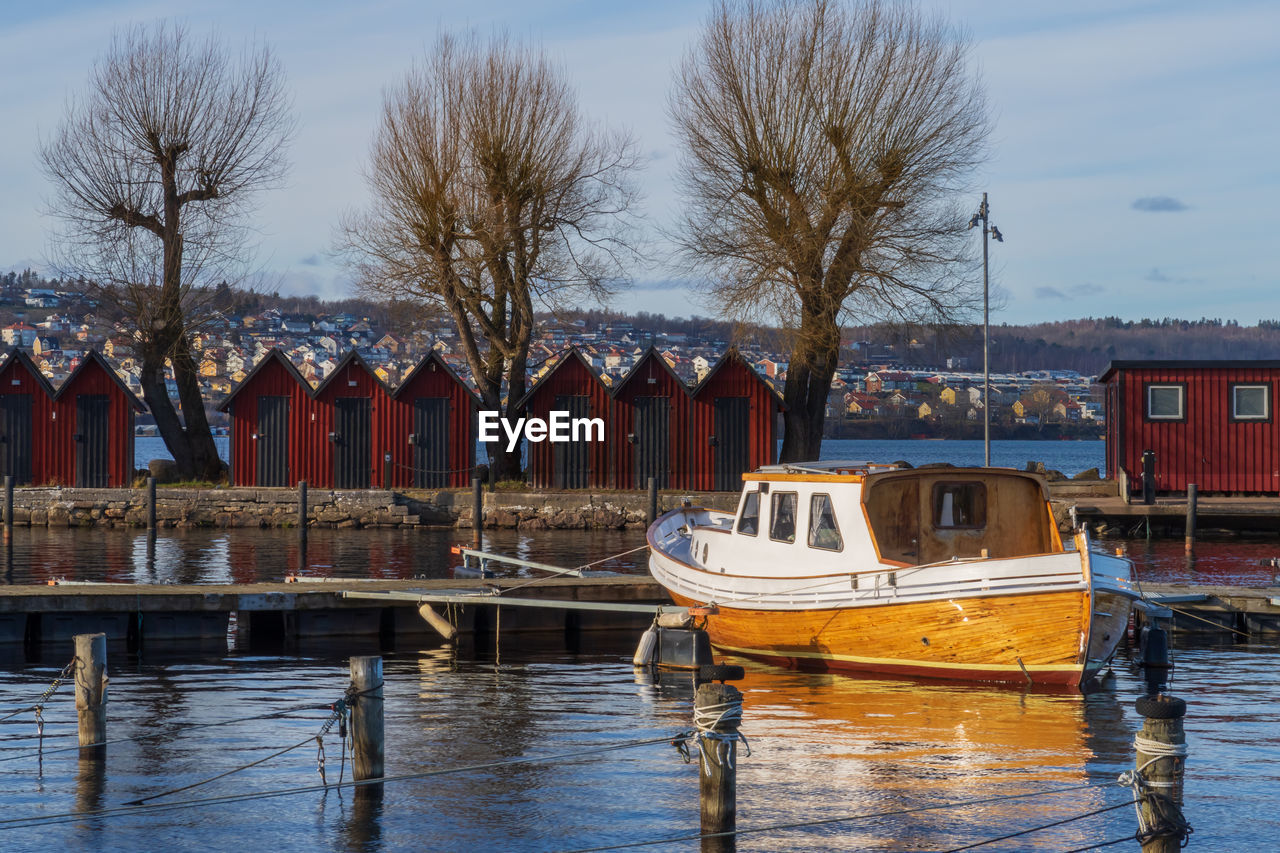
<point x="268" y="614"/>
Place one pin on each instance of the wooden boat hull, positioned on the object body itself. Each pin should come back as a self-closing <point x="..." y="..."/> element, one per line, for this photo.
<point x="1042" y="637"/>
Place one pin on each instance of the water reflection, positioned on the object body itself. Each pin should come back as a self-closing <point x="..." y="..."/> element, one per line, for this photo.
<point x="37" y="555"/>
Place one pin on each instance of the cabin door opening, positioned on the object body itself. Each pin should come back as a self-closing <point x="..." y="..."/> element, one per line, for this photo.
<point x="652" y="455"/>
<point x="732" y="434"/>
<point x="15" y="437"/>
<point x="570" y="461"/>
<point x="273" y="442"/>
<point x="352" y="442"/>
<point x="93" y="447"/>
<point x="431" y="442"/>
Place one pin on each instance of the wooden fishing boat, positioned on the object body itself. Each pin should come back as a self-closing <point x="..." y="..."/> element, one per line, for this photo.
<point x="934" y="571"/>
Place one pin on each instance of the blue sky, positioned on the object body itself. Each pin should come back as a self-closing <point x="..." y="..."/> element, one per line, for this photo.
<point x="1134" y="154"/>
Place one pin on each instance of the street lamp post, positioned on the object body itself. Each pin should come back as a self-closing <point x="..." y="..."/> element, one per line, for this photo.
<point x="982" y="218"/>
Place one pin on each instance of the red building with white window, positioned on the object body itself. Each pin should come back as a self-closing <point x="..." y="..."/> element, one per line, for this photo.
<point x="1211" y="423"/>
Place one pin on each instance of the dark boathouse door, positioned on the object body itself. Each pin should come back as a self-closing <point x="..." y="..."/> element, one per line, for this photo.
<point x="431" y="442"/>
<point x="273" y="441"/>
<point x="570" y="461"/>
<point x="15" y="437"/>
<point x="92" y="444"/>
<point x="733" y="428"/>
<point x="652" y="434"/>
<point x="353" y="442"/>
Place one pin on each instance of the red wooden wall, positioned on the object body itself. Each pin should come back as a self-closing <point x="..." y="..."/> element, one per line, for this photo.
<point x="351" y="378"/>
<point x="651" y="377"/>
<point x="93" y="376"/>
<point x="1208" y="448"/>
<point x="433" y="378"/>
<point x="274" y="376"/>
<point x="731" y="377"/>
<point x="571" y="376"/>
<point x="20" y="376"/>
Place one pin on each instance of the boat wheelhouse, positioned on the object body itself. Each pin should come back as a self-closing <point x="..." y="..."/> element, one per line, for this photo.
<point x="932" y="571"/>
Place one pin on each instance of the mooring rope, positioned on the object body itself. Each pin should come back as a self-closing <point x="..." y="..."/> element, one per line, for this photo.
<point x="713" y="745"/>
<point x="1167" y="818"/>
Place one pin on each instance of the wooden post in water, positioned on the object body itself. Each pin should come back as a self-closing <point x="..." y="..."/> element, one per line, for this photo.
<point x="151" y="503"/>
<point x="1193" y="493"/>
<point x="386" y="471"/>
<point x="302" y="508"/>
<point x="367" y="731"/>
<point x="477" y="510"/>
<point x="8" y="506"/>
<point x="1161" y="756"/>
<point x="91" y="688"/>
<point x="714" y="709"/>
<point x="653" y="499"/>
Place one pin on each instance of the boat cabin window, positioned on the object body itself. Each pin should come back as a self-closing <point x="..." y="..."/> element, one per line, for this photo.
<point x="823" y="531"/>
<point x="959" y="505"/>
<point x="749" y="518"/>
<point x="782" y="525"/>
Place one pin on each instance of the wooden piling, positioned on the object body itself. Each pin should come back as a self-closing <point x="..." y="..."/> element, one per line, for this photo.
<point x="653" y="499"/>
<point x="151" y="503"/>
<point x="1161" y="751"/>
<point x="1193" y="493"/>
<point x="367" y="729"/>
<point x="718" y="778"/>
<point x="91" y="688"/>
<point x="477" y="508"/>
<point x="302" y="509"/>
<point x="386" y="471"/>
<point x="8" y="506"/>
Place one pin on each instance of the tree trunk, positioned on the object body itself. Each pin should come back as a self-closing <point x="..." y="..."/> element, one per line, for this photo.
<point x="205" y="462"/>
<point x="814" y="358"/>
<point x="157" y="398"/>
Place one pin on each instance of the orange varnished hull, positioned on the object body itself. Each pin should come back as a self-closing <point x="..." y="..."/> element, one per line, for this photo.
<point x="1015" y="638"/>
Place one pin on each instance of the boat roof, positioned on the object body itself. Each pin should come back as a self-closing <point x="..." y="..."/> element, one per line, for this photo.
<point x="850" y="471"/>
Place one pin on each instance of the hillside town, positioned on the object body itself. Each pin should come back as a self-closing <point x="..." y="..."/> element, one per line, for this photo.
<point x="876" y="381"/>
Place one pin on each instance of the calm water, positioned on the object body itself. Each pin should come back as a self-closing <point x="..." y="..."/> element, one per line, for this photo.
<point x="822" y="747"/>
<point x="41" y="554"/>
<point x="1069" y="457"/>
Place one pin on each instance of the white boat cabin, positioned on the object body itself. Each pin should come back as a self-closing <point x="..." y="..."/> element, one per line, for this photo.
<point x="843" y="516"/>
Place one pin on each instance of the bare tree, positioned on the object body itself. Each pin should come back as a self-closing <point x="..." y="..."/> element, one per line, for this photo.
<point x="823" y="144"/>
<point x="154" y="170"/>
<point x="491" y="197"/>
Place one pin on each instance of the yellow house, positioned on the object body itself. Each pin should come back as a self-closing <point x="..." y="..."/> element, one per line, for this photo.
<point x="209" y="368"/>
<point x="1019" y="410"/>
<point x="925" y="410"/>
<point x="948" y="396"/>
<point x="382" y="373"/>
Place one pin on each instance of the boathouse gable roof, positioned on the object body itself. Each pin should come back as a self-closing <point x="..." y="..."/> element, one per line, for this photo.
<point x="351" y="358"/>
<point x="93" y="358"/>
<point x="729" y="358"/>
<point x="650" y="354"/>
<point x="16" y="357"/>
<point x="570" y="355"/>
<point x="434" y="358"/>
<point x="274" y="355"/>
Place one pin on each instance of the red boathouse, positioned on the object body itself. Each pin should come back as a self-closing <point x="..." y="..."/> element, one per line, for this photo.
<point x="432" y="431"/>
<point x="570" y="386"/>
<point x="733" y="424"/>
<point x="1211" y="423"/>
<point x="26" y="420"/>
<point x="91" y="427"/>
<point x="651" y="426"/>
<point x="268" y="410"/>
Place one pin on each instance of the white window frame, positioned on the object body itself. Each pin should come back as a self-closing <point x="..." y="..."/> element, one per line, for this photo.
<point x="1182" y="401"/>
<point x="1266" y="401"/>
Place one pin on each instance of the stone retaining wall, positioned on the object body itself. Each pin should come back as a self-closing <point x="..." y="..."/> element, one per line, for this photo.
<point x="245" y="507"/>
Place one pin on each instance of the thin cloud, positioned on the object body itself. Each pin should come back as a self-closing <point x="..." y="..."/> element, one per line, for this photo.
<point x="1049" y="293"/>
<point x="1158" y="204"/>
<point x="1158" y="276"/>
<point x="310" y="261"/>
